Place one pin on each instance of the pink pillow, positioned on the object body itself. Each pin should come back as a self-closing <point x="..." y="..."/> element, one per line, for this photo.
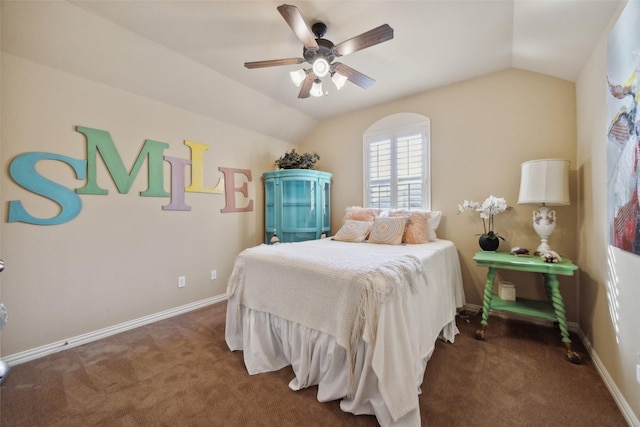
<point x="418" y="229"/>
<point x="361" y="214"/>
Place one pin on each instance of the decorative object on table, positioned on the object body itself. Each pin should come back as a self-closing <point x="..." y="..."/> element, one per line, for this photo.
<point x="293" y="160"/>
<point x="544" y="182"/>
<point x="489" y="240"/>
<point x="507" y="291"/>
<point x="274" y="238"/>
<point x="550" y="256"/>
<point x="520" y="251"/>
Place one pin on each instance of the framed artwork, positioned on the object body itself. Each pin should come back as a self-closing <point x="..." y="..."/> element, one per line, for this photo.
<point x="623" y="132"/>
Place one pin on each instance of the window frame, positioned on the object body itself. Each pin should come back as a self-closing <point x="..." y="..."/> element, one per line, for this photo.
<point x="392" y="128"/>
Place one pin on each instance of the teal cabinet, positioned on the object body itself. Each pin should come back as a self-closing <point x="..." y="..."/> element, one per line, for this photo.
<point x="297" y="204"/>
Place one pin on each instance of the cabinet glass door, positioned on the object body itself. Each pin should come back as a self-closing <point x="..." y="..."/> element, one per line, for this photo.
<point x="299" y="216"/>
<point x="270" y="209"/>
<point x="297" y="205"/>
<point x="326" y="207"/>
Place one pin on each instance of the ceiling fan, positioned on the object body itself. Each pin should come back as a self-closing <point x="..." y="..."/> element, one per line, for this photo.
<point x="320" y="53"/>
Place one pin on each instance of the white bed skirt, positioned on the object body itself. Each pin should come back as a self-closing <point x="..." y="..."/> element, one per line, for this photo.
<point x="270" y="343"/>
<point x="389" y="354"/>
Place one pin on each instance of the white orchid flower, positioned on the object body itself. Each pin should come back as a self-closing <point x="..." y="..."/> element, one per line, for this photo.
<point x="487" y="209"/>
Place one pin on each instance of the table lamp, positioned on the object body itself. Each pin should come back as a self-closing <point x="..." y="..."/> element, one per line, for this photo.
<point x="544" y="182"/>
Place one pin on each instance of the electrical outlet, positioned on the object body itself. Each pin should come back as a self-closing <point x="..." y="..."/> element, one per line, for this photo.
<point x="182" y="281"/>
<point x="214" y="274"/>
<point x="638" y="373"/>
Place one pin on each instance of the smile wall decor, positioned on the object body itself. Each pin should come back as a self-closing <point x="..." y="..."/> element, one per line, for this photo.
<point x="22" y="170"/>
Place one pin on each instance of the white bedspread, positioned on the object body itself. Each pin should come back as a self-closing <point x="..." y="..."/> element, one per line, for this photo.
<point x="384" y="306"/>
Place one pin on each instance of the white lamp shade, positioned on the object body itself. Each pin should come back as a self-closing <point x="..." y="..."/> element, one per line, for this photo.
<point x="316" y="88"/>
<point x="297" y="77"/>
<point x="339" y="80"/>
<point x="544" y="181"/>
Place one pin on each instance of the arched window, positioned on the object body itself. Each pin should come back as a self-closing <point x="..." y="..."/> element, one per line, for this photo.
<point x="397" y="163"/>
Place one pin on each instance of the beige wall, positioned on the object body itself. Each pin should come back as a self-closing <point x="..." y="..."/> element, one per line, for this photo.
<point x="481" y="130"/>
<point x="120" y="258"/>
<point x="609" y="290"/>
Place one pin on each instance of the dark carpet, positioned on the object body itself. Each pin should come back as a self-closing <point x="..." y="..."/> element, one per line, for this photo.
<point x="179" y="372"/>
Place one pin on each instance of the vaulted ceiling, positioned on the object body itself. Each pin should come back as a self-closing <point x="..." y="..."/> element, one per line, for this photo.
<point x="436" y="43"/>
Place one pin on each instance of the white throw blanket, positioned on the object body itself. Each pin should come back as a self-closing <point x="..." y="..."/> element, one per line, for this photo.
<point x="337" y="292"/>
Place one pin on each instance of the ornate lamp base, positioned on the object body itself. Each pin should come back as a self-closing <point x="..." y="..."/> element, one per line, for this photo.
<point x="544" y="222"/>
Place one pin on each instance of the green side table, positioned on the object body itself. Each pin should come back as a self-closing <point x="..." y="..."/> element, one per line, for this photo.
<point x="551" y="309"/>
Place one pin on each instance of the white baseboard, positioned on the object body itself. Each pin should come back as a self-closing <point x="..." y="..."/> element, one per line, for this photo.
<point x="35" y="353"/>
<point x="623" y="405"/>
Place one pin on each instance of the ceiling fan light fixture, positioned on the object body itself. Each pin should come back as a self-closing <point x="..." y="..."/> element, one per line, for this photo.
<point x="297" y="77"/>
<point x="320" y="53"/>
<point x="338" y="79"/>
<point x="320" y="67"/>
<point x="316" y="89"/>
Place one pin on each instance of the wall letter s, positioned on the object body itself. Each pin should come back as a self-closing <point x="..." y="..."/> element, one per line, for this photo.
<point x="23" y="171"/>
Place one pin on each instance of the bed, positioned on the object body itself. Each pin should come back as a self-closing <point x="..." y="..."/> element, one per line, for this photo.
<point x="359" y="320"/>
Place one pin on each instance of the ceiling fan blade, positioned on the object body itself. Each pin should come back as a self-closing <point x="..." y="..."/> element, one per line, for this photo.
<point x="354" y="76"/>
<point x="273" y="62"/>
<point x="292" y="15"/>
<point x="371" y="38"/>
<point x="305" y="87"/>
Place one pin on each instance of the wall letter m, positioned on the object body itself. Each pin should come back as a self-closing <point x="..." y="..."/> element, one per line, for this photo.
<point x="99" y="141"/>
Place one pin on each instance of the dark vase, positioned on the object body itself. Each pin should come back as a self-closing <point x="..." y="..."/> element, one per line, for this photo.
<point x="489" y="242"/>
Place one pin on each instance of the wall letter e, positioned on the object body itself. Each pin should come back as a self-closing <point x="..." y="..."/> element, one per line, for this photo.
<point x="230" y="190"/>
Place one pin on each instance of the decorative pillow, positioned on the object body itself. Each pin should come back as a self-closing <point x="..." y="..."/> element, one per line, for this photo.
<point x="421" y="227"/>
<point x="361" y="214"/>
<point x="417" y="229"/>
<point x="434" y="221"/>
<point x="354" y="231"/>
<point x="388" y="230"/>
